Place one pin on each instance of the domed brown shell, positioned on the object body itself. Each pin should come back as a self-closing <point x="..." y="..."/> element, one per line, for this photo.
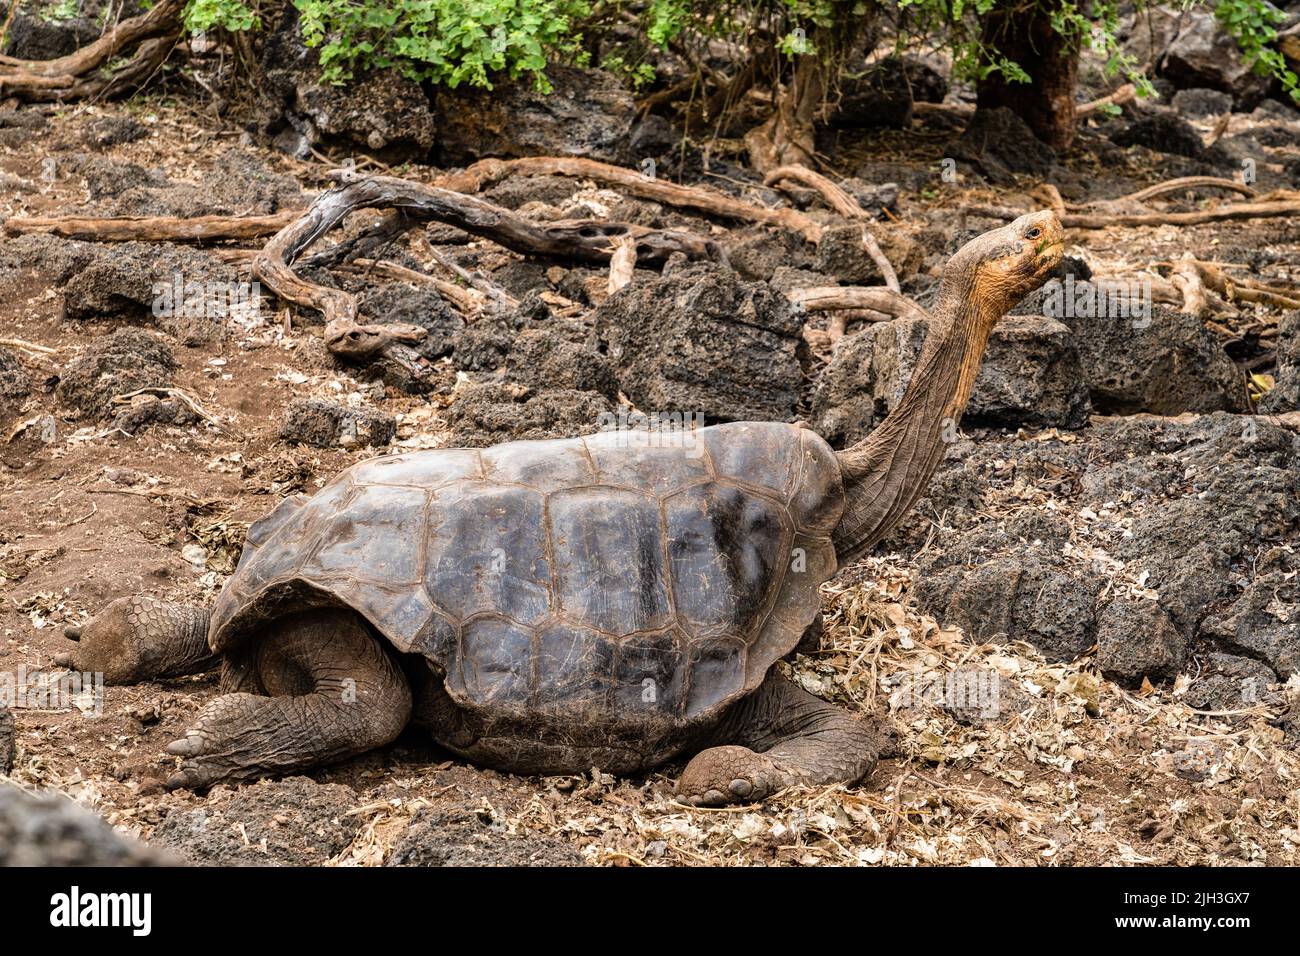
<point x="628" y="573"/>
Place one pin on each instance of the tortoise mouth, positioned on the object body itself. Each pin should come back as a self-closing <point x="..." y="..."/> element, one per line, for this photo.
<point x="1050" y="256"/>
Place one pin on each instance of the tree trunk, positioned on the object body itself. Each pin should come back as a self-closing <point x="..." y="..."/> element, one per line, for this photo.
<point x="1021" y="30"/>
<point x="786" y="139"/>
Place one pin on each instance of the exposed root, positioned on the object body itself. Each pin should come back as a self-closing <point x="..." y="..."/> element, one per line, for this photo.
<point x="581" y="240"/>
<point x="486" y="172"/>
<point x="83" y="74"/>
<point x="1246" y="210"/>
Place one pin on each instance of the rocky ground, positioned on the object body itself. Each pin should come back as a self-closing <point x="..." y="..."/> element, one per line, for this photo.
<point x="1110" y="544"/>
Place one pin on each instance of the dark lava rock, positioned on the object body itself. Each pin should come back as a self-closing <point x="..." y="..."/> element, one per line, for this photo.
<point x="999" y="144"/>
<point x="757" y="254"/>
<point x="1181" y="509"/>
<point x="1284" y="396"/>
<point x="238" y="183"/>
<point x="1167" y="364"/>
<point x="381" y="112"/>
<point x="1200" y="103"/>
<point x="109" y="131"/>
<point x="483" y="346"/>
<point x="1264" y="623"/>
<point x="1028" y="595"/>
<point x="1163" y="131"/>
<point x="8" y="746"/>
<point x="289" y="822"/>
<point x="489" y="413"/>
<point x="541" y="359"/>
<point x="588" y="114"/>
<point x="15" y="384"/>
<point x="400" y="304"/>
<point x="1030" y="376"/>
<point x="840" y="255"/>
<point x="465" y="838"/>
<point x="1136" y="639"/>
<point x="702" y="340"/>
<point x="883" y="95"/>
<point x="121" y="362"/>
<point x="322" y="424"/>
<point x="135" y="282"/>
<point x="147" y="410"/>
<point x="49" y="829"/>
<point x="875" y="198"/>
<point x="1229" y="682"/>
<point x="35" y="38"/>
<point x="1203" y="54"/>
<point x="786" y="279"/>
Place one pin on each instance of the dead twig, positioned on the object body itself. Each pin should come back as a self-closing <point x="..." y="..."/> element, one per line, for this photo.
<point x="1246" y="210"/>
<point x="465" y="300"/>
<point x="85" y="73"/>
<point x="488" y="171"/>
<point x="622" y="264"/>
<point x="577" y="240"/>
<point x="153" y="228"/>
<point x="180" y="395"/>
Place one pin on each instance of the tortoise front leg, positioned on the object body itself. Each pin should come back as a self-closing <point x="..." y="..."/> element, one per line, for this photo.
<point x="331" y="691"/>
<point x="781" y="736"/>
<point x="140" y="638"/>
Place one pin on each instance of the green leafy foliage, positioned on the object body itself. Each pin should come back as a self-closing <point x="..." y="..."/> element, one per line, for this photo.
<point x="448" y="42"/>
<point x="232" y="15"/>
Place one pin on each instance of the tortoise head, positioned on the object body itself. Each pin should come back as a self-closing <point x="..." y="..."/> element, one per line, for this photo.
<point x="1002" y="266"/>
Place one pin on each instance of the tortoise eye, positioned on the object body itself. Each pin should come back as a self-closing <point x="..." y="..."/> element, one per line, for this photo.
<point x="1033" y="233"/>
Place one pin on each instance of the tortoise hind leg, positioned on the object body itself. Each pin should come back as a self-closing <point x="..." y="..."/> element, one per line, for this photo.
<point x="329" y="691"/>
<point x="139" y="638"/>
<point x="781" y="736"/>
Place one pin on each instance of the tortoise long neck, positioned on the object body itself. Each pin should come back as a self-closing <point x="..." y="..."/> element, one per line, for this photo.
<point x="886" y="472"/>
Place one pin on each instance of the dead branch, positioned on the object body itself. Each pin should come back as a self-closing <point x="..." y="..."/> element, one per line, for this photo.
<point x="476" y="280"/>
<point x="81" y="74"/>
<point x="465" y="300"/>
<point x="153" y="228"/>
<point x="1245" y="210"/>
<point x="1244" y="290"/>
<point x="1189" y="182"/>
<point x="881" y="260"/>
<point x="579" y="240"/>
<point x="1051" y="195"/>
<point x="835" y="197"/>
<point x="1121" y="97"/>
<point x="888" y="303"/>
<point x="486" y="172"/>
<point x="622" y="264"/>
<point x="1188" y="280"/>
<point x="842" y="203"/>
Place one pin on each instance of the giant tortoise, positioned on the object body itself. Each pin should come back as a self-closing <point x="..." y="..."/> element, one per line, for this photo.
<point x="615" y="601"/>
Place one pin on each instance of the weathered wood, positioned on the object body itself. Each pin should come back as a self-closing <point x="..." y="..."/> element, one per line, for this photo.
<point x="579" y="240"/>
<point x="84" y="73"/>
<point x="489" y="171"/>
<point x="153" y="228"/>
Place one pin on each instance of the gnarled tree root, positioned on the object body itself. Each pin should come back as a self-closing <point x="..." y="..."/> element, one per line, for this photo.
<point x="486" y="172"/>
<point x="82" y="74"/>
<point x="575" y="240"/>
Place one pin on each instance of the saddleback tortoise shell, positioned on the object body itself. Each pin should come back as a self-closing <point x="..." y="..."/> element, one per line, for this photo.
<point x="622" y="573"/>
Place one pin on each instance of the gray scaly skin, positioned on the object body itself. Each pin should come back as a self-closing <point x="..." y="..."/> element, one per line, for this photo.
<point x="319" y="686"/>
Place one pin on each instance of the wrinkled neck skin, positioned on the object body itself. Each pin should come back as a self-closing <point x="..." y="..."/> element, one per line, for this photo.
<point x="889" y="470"/>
